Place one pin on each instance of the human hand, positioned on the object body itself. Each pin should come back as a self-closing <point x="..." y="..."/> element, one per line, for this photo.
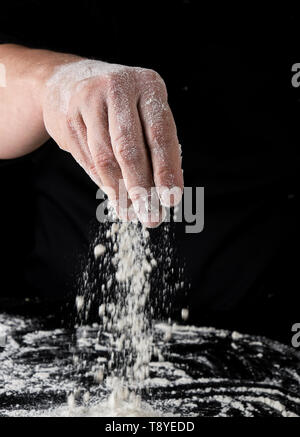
<point x="116" y="122"/>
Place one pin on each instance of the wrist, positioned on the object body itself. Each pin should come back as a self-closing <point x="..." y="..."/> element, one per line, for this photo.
<point x="45" y="63"/>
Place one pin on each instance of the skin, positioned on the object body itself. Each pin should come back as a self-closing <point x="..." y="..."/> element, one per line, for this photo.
<point x="117" y="124"/>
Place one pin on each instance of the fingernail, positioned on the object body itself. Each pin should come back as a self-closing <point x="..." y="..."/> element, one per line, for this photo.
<point x="148" y="210"/>
<point x="132" y="217"/>
<point x="162" y="217"/>
<point x="141" y="209"/>
<point x="122" y="213"/>
<point x="170" y="196"/>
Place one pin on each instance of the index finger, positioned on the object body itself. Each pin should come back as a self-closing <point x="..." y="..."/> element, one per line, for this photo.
<point x="161" y="137"/>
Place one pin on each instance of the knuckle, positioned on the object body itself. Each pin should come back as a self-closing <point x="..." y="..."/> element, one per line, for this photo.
<point x="152" y="77"/>
<point x="87" y="93"/>
<point x="156" y="114"/>
<point x="164" y="173"/>
<point x="120" y="82"/>
<point x="93" y="170"/>
<point x="70" y="122"/>
<point x="158" y="128"/>
<point x="75" y="127"/>
<point x="161" y="90"/>
<point x="123" y="134"/>
<point x="162" y="131"/>
<point x="149" y="74"/>
<point x="157" y="135"/>
<point x="122" y="150"/>
<point x="127" y="154"/>
<point x="104" y="162"/>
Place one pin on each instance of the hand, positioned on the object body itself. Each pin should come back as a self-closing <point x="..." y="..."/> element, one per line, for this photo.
<point x="116" y="122"/>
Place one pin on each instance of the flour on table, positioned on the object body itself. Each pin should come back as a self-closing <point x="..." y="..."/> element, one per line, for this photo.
<point x="200" y="374"/>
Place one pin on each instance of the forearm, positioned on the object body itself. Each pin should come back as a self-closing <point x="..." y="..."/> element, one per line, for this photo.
<point x="22" y="127"/>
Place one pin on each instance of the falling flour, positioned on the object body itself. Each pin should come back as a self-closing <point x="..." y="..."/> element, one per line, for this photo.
<point x="124" y="315"/>
<point x="99" y="250"/>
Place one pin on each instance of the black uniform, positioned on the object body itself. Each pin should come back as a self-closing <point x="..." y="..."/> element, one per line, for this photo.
<point x="228" y="74"/>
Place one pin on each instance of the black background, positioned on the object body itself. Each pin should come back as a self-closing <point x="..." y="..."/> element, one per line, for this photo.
<point x="228" y="73"/>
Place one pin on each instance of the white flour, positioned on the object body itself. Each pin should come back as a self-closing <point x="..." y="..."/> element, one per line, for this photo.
<point x="67" y="76"/>
<point x="36" y="373"/>
<point x="102" y="409"/>
<point x="126" y="316"/>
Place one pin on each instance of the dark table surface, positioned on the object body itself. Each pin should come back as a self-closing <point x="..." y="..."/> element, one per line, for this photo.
<point x="201" y="372"/>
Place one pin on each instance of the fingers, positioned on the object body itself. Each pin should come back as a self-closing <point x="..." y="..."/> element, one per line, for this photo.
<point x="75" y="139"/>
<point x="128" y="133"/>
<point x="132" y="156"/>
<point x="161" y="136"/>
<point x="104" y="162"/>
